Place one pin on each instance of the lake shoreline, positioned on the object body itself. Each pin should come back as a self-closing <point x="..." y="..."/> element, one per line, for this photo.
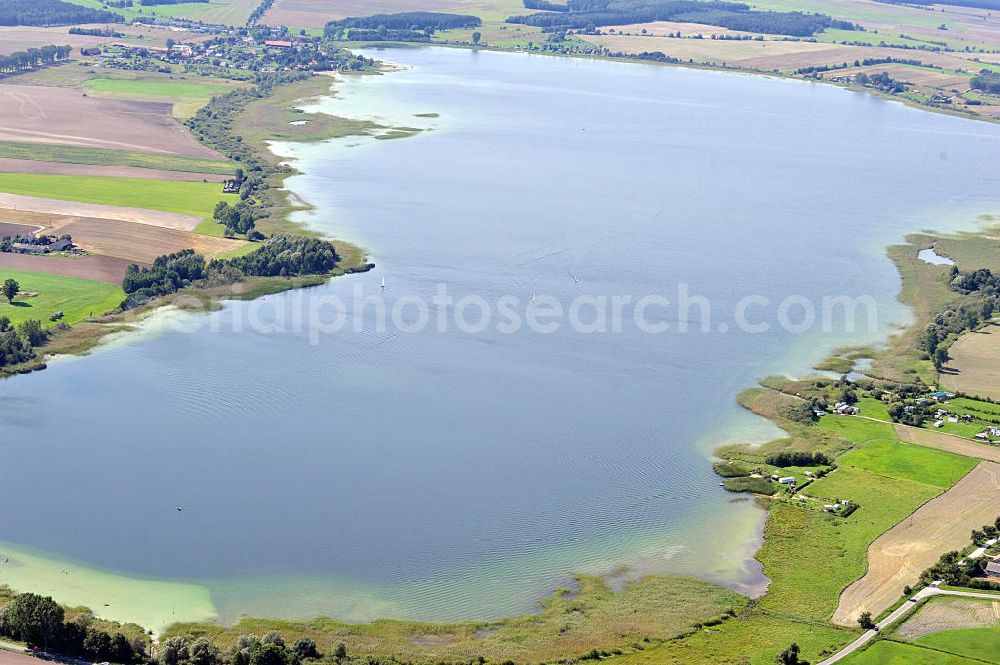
<point x="419" y="628"/>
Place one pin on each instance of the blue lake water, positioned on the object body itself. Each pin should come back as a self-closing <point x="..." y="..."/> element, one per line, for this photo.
<point x="453" y="474"/>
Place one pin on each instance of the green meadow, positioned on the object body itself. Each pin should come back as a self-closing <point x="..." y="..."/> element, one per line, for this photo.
<point x="894" y="459"/>
<point x="188" y="198"/>
<point x="885" y="652"/>
<point x="102" y="157"/>
<point x="227" y="12"/>
<point x="186" y="96"/>
<point x="76" y="298"/>
<point x="982" y="643"/>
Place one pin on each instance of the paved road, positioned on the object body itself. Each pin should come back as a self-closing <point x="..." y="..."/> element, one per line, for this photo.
<point x="869" y="635"/>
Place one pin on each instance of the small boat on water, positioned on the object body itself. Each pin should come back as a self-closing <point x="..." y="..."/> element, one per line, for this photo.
<point x="383" y="282"/>
<point x="533" y="298"/>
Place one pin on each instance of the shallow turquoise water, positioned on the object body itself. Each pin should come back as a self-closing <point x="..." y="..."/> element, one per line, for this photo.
<point x="456" y="475"/>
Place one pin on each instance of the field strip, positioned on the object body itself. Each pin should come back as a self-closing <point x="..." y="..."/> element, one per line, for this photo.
<point x="948" y="442"/>
<point x="8" y="165"/>
<point x="898" y="556"/>
<point x="170" y="220"/>
<point x="108" y="269"/>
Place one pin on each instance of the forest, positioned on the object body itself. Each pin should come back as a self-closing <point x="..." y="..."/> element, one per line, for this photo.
<point x="987" y="82"/>
<point x="51" y="12"/>
<point x="591" y="14"/>
<point x="280" y="256"/>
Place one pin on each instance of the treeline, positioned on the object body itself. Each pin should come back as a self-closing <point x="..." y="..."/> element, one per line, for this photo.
<point x="281" y="256"/>
<point x="867" y="62"/>
<point x="20" y="61"/>
<point x="212" y="124"/>
<point x="258" y="13"/>
<point x="784" y="459"/>
<point x="987" y="82"/>
<point x="588" y="15"/>
<point x="17" y="344"/>
<point x="52" y="12"/>
<point x="414" y="21"/>
<point x="95" y="32"/>
<point x="980" y="291"/>
<point x="40" y="621"/>
<point x="147" y="3"/>
<point x="545" y="5"/>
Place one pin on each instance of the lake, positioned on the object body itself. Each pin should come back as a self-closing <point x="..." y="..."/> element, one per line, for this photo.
<point x="234" y="463"/>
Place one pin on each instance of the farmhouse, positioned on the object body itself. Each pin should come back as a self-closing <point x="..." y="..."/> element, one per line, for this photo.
<point x="37" y="246"/>
<point x="941" y="395"/>
<point x="787" y="480"/>
<point x="278" y="43"/>
<point x="993" y="567"/>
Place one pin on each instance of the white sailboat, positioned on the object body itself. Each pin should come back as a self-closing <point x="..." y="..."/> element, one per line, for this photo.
<point x="383" y="282"/>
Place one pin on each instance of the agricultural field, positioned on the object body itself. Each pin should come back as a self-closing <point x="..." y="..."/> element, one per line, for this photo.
<point x="974" y="367"/>
<point x="980" y="643"/>
<point x="21" y="38"/>
<point x="193" y="199"/>
<point x="34" y="158"/>
<point x="897" y="557"/>
<point x="885" y="652"/>
<point x="944" y="614"/>
<point x="95" y="268"/>
<point x="187" y="96"/>
<point x="59" y="168"/>
<point x="65" y="117"/>
<point x="225" y="12"/>
<point x="44" y="295"/>
<point x="948" y="442"/>
<point x="138" y="243"/>
<point x="317" y="13"/>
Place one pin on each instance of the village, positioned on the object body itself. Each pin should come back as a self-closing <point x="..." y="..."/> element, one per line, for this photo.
<point x="223" y="52"/>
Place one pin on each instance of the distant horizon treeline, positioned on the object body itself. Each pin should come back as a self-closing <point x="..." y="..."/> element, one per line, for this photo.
<point x="592" y="14"/>
<point x="413" y="24"/>
<point x="52" y="12"/>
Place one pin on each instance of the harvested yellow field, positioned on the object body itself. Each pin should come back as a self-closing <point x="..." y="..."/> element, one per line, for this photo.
<point x="974" y="368"/>
<point x="139" y="243"/>
<point x="898" y="556"/>
<point x="948" y="442"/>
<point x="919" y="76"/>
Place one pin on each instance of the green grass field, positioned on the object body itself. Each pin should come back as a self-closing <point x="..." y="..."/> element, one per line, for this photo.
<point x="982" y="643"/>
<point x="189" y="198"/>
<point x="76" y="298"/>
<point x="894" y="459"/>
<point x="752" y="640"/>
<point x="885" y="652"/>
<point x="186" y="96"/>
<point x="103" y="157"/>
<point x="858" y="430"/>
<point x="227" y="12"/>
